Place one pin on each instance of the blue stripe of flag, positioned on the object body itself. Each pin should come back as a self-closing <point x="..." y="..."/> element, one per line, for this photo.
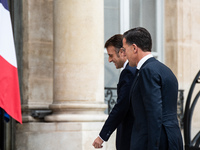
<point x="6" y="116"/>
<point x="5" y="4"/>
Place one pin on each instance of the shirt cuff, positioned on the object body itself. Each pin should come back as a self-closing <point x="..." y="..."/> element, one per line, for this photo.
<point x="101" y="138"/>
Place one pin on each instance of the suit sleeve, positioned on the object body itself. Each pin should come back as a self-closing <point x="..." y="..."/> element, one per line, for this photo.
<point x="121" y="108"/>
<point x="150" y="86"/>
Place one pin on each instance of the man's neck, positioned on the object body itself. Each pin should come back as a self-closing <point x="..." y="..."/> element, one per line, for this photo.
<point x="143" y="54"/>
<point x="143" y="60"/>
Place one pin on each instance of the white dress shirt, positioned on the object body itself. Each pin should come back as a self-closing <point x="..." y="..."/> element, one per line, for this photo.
<point x="124" y="66"/>
<point x="142" y="61"/>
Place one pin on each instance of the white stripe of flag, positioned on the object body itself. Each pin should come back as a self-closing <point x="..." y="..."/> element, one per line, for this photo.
<point x="9" y="84"/>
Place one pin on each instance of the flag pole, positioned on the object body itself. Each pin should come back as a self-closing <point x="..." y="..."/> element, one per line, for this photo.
<point x="2" y="129"/>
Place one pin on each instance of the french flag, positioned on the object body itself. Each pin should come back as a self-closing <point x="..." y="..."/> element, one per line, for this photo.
<point x="9" y="84"/>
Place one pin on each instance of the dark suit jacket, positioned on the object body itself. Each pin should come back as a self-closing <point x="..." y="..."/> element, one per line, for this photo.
<point x="154" y="102"/>
<point x="120" y="116"/>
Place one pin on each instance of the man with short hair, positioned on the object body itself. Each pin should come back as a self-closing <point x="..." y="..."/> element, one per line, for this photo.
<point x="153" y="96"/>
<point x="120" y="116"/>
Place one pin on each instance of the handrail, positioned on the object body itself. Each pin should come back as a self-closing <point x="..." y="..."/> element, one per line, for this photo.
<point x="189" y="108"/>
<point x="111" y="98"/>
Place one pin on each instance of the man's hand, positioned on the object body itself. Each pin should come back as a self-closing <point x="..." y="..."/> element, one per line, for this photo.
<point x="98" y="142"/>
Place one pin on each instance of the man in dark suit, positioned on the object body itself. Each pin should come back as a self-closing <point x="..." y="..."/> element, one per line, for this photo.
<point x="121" y="115"/>
<point x="153" y="96"/>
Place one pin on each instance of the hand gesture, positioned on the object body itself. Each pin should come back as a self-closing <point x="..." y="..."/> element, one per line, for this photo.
<point x="98" y="142"/>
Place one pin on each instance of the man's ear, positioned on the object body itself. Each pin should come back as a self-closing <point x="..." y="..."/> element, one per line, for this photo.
<point x="121" y="52"/>
<point x="134" y="48"/>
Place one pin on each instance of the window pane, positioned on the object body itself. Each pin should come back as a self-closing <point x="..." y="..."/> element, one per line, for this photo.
<point x="111" y="27"/>
<point x="143" y="13"/>
<point x="149" y="19"/>
<point x="111" y="18"/>
<point x="134" y="13"/>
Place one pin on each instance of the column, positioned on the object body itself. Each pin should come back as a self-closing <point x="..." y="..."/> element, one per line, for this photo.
<point x="78" y="62"/>
<point x="37" y="57"/>
<point x="78" y="80"/>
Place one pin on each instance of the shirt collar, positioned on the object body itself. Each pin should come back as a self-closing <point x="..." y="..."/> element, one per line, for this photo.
<point x="126" y="62"/>
<point x="142" y="61"/>
<point x="124" y="66"/>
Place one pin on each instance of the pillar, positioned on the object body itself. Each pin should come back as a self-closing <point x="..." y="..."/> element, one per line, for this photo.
<point x="182" y="44"/>
<point x="78" y="61"/>
<point x="78" y="78"/>
<point x="37" y="80"/>
<point x="78" y="103"/>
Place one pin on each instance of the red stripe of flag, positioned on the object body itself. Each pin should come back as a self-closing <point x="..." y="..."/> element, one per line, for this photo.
<point x="9" y="90"/>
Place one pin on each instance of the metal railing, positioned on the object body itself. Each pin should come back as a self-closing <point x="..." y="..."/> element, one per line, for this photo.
<point x="180" y="109"/>
<point x="191" y="144"/>
<point x="111" y="98"/>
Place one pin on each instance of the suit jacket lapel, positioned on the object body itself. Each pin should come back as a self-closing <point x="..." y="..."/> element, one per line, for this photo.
<point x="148" y="60"/>
<point x="134" y="82"/>
<point x="138" y="73"/>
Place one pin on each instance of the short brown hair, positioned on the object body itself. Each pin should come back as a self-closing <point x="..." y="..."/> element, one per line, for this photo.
<point x="115" y="41"/>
